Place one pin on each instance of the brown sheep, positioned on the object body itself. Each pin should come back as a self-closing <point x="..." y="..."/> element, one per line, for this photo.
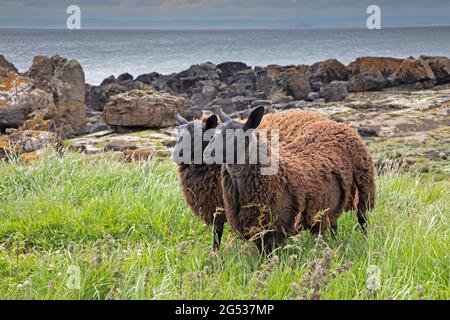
<point x="320" y="169"/>
<point x="202" y="184"/>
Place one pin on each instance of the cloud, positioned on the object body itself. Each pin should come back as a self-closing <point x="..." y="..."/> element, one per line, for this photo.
<point x="223" y="9"/>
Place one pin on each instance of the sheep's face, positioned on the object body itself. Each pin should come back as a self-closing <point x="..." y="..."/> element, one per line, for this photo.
<point x="191" y="140"/>
<point x="234" y="142"/>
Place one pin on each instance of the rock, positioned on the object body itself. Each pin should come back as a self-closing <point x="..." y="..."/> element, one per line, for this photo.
<point x="316" y="86"/>
<point x="258" y="103"/>
<point x="184" y="81"/>
<point x="15" y="101"/>
<point x="284" y="106"/>
<point x="377" y="66"/>
<point x="259" y="95"/>
<point x="367" y="132"/>
<point x="125" y="77"/>
<point x="298" y="86"/>
<point x="313" y="96"/>
<point x="436" y="155"/>
<point x="440" y="67"/>
<point x="143" y="108"/>
<point x="109" y="80"/>
<point x="285" y="99"/>
<point x="299" y="104"/>
<point x="412" y="71"/>
<point x="119" y="145"/>
<point x="148" y="78"/>
<point x="328" y="71"/>
<point x="64" y="80"/>
<point x="6" y="65"/>
<point x="98" y="96"/>
<point x="31" y="140"/>
<point x="367" y="81"/>
<point x="371" y="73"/>
<point x="23" y="106"/>
<point x="229" y="69"/>
<point x="231" y="105"/>
<point x="276" y="81"/>
<point x="335" y="91"/>
<point x="6" y="149"/>
<point x="98" y="125"/>
<point x="266" y="79"/>
<point x="242" y="83"/>
<point x="203" y="94"/>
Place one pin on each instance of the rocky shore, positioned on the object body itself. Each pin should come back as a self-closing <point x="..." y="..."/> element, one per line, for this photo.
<point x="400" y="106"/>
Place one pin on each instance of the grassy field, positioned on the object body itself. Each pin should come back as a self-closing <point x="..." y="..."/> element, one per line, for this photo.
<point x="125" y="232"/>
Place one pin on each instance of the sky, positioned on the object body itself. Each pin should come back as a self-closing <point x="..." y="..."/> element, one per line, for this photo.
<point x="218" y="14"/>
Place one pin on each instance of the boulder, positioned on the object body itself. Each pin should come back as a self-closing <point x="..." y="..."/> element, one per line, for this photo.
<point x="125" y="77"/>
<point x="371" y="73"/>
<point x="109" y="80"/>
<point x="64" y="80"/>
<point x="148" y="78"/>
<point x="367" y="81"/>
<point x="335" y="91"/>
<point x="142" y="108"/>
<point x="229" y="69"/>
<point x="276" y="81"/>
<point x="15" y="102"/>
<point x="184" y="81"/>
<point x="440" y="67"/>
<point x="98" y="96"/>
<point x="24" y="106"/>
<point x="412" y="71"/>
<point x="242" y="83"/>
<point x="204" y="94"/>
<point x="6" y="65"/>
<point x="367" y="132"/>
<point x="26" y="141"/>
<point x="297" y="85"/>
<point x="378" y="66"/>
<point x="328" y="71"/>
<point x="266" y="79"/>
<point x="96" y="123"/>
<point x="313" y="96"/>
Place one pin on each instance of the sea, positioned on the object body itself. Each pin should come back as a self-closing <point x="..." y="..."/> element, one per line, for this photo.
<point x="112" y="52"/>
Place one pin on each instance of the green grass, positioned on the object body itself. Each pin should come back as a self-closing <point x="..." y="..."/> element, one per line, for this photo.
<point x="128" y="230"/>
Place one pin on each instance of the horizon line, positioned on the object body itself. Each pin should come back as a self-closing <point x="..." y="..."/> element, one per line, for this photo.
<point x="219" y="28"/>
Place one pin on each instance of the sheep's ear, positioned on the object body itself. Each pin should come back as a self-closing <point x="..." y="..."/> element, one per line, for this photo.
<point x="211" y="122"/>
<point x="255" y="118"/>
<point x="180" y="119"/>
<point x="223" y="116"/>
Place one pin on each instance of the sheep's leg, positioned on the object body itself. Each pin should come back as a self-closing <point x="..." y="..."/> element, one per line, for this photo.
<point x="365" y="184"/>
<point x="365" y="203"/>
<point x="219" y="221"/>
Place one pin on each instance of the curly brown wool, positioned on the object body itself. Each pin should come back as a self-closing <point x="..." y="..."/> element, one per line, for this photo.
<point x="324" y="168"/>
<point x="201" y="183"/>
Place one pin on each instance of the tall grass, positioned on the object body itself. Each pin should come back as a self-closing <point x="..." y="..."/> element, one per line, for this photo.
<point x="128" y="230"/>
